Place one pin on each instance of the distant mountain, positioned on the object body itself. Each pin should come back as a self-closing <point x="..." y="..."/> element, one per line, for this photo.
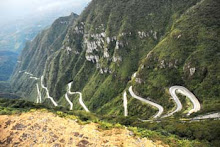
<point x="14" y="37"/>
<point x="149" y="62"/>
<point x="7" y="63"/>
<point x="15" y="34"/>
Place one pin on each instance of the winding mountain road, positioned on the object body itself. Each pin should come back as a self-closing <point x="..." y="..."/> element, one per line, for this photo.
<point x="34" y="78"/>
<point x="148" y="102"/>
<point x="191" y="96"/>
<point x="21" y="71"/>
<point x="47" y="92"/>
<point x="125" y="103"/>
<point x="39" y="94"/>
<point x="134" y="75"/>
<point x="173" y="91"/>
<point x="179" y="106"/>
<point x="27" y="73"/>
<point x="80" y="97"/>
<point x="207" y="116"/>
<point x="68" y="100"/>
<point x="184" y="91"/>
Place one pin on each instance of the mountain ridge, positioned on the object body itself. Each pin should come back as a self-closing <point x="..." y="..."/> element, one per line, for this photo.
<point x="100" y="51"/>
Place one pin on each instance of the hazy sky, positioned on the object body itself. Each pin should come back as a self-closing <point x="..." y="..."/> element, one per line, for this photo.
<point x="18" y="9"/>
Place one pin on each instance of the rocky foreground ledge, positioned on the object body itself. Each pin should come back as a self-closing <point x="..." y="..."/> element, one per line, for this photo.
<point x="46" y="129"/>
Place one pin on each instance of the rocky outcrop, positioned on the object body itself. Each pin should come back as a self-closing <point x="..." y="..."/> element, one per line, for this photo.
<point x="41" y="129"/>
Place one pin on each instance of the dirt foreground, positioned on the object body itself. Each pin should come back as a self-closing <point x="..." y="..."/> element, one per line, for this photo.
<point x="46" y="129"/>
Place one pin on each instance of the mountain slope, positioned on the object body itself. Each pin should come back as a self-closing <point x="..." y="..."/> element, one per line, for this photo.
<point x="16" y="31"/>
<point x="44" y="130"/>
<point x="7" y="63"/>
<point x="187" y="56"/>
<point x="35" y="54"/>
<point x="111" y="40"/>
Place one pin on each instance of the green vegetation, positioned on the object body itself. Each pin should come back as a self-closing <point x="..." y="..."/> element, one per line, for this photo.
<point x="207" y="131"/>
<point x="192" y="43"/>
<point x="172" y="140"/>
<point x="35" y="55"/>
<point x="179" y="36"/>
<point x="166" y="42"/>
<point x="172" y="132"/>
<point x="5" y="87"/>
<point x="15" y="106"/>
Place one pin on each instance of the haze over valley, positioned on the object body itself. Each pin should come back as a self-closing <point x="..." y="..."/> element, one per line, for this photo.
<point x="111" y="73"/>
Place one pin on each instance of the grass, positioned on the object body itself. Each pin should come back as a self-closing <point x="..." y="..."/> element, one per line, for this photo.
<point x="187" y="37"/>
<point x="169" y="131"/>
<point x="166" y="138"/>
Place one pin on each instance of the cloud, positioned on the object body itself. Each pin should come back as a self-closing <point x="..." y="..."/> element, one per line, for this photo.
<point x="16" y="9"/>
<point x="57" y="4"/>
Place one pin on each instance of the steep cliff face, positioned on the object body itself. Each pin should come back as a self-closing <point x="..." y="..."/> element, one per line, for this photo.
<point x="36" y="53"/>
<point x="167" y="42"/>
<point x="188" y="55"/>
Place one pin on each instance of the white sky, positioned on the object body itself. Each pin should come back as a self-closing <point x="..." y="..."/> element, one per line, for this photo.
<point x="18" y="9"/>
